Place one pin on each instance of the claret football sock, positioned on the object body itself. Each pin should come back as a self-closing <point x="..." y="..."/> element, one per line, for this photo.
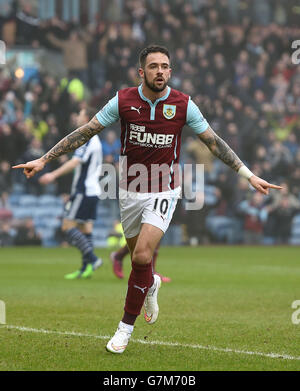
<point x="141" y="278"/>
<point x="79" y="240"/>
<point x="128" y="318"/>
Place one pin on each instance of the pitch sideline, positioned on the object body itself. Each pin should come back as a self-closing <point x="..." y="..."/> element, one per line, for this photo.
<point x="161" y="343"/>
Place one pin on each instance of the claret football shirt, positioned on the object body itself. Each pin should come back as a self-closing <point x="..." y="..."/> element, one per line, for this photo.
<point x="151" y="135"/>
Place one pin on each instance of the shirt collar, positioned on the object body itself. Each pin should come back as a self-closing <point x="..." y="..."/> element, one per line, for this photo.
<point x="140" y="89"/>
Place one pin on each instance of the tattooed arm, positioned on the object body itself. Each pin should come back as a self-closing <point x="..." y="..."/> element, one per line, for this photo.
<point x="74" y="140"/>
<point x="69" y="143"/>
<point x="222" y="150"/>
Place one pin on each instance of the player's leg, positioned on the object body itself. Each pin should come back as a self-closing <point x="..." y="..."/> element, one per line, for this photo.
<point x="131" y="243"/>
<point x="89" y="267"/>
<point x="117" y="258"/>
<point x="149" y="238"/>
<point x="131" y="216"/>
<point x="68" y="226"/>
<point x="141" y="276"/>
<point x="79" y="208"/>
<point x="145" y="218"/>
<point x="141" y="279"/>
<point x="86" y="228"/>
<point x="117" y="261"/>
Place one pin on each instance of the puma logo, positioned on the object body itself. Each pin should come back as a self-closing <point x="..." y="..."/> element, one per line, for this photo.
<point x="134" y="108"/>
<point x="141" y="289"/>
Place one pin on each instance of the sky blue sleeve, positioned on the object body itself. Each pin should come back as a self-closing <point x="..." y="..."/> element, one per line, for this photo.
<point x="109" y="113"/>
<point x="195" y="119"/>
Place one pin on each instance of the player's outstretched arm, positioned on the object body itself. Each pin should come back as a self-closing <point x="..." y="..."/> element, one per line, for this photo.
<point x="69" y="143"/>
<point x="222" y="150"/>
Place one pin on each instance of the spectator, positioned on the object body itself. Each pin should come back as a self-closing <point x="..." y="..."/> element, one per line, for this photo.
<point x="199" y="152"/>
<point x="292" y="145"/>
<point x="76" y="65"/>
<point x="27" y="24"/>
<point x="280" y="159"/>
<point x="26" y="235"/>
<point x="290" y="204"/>
<point x="282" y="218"/>
<point x="254" y="217"/>
<point x="35" y="149"/>
<point x="5" y="182"/>
<point x="6" y="234"/>
<point x="111" y="147"/>
<point x="7" y="143"/>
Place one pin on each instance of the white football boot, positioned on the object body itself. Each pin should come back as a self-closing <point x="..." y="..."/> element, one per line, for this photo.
<point x="151" y="308"/>
<point x="118" y="343"/>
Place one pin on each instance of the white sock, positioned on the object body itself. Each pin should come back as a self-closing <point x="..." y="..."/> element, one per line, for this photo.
<point x="127" y="326"/>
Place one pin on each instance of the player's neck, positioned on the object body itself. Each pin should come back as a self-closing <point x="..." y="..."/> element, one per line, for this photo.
<point x="151" y="95"/>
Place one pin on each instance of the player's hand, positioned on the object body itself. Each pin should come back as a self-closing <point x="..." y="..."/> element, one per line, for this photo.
<point x="47" y="178"/>
<point x="261" y="185"/>
<point x="31" y="168"/>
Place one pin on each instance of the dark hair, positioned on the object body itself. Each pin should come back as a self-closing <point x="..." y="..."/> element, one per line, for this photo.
<point x="152" y="49"/>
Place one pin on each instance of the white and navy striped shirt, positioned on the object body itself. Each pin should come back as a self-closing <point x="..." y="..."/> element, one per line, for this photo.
<point x="86" y="176"/>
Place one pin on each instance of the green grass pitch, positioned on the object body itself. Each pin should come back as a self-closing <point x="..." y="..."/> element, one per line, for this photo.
<point x="227" y="308"/>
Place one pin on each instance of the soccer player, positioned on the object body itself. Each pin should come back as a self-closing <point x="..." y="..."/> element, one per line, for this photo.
<point x="80" y="210"/>
<point x="152" y="117"/>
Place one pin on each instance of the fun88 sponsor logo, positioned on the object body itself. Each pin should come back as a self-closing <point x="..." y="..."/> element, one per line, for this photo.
<point x="138" y="134"/>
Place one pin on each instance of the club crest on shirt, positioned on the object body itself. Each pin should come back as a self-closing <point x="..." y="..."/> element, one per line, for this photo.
<point x="169" y="111"/>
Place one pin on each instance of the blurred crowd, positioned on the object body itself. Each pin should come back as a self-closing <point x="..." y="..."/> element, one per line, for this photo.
<point x="232" y="57"/>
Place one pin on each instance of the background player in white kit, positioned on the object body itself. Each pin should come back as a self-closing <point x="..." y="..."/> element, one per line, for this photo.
<point x="146" y="218"/>
<point x="80" y="210"/>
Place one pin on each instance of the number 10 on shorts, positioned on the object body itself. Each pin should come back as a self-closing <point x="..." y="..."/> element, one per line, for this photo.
<point x="2" y="312"/>
<point x="161" y="205"/>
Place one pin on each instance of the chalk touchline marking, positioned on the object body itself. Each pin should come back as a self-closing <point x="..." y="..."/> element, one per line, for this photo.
<point x="161" y="343"/>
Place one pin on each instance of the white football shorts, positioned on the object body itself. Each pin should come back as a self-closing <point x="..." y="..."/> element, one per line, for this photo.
<point x="152" y="208"/>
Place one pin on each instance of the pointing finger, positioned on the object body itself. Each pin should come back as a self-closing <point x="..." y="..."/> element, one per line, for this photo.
<point x="273" y="186"/>
<point x="20" y="166"/>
